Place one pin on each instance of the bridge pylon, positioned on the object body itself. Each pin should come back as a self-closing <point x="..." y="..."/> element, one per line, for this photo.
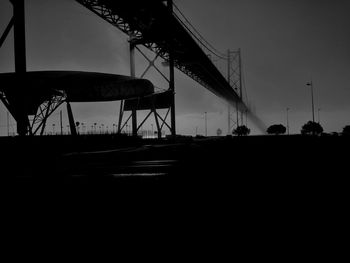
<point x="164" y="100"/>
<point x="234" y="78"/>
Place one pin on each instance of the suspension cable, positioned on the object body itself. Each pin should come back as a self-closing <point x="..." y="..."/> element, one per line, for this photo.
<point x="200" y="38"/>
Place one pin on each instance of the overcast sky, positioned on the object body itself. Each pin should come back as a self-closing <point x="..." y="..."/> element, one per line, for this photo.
<point x="284" y="43"/>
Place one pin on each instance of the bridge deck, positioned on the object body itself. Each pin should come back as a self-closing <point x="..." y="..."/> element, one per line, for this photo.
<point x="154" y="26"/>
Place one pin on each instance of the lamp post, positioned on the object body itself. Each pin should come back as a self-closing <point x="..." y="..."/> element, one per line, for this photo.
<point x="205" y="115"/>
<point x="312" y="100"/>
<point x="318" y="115"/>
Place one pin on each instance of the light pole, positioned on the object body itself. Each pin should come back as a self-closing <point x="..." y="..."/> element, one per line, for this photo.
<point x="318" y="113"/>
<point x="287" y="122"/>
<point x="205" y="115"/>
<point x="152" y="130"/>
<point x="312" y="100"/>
<point x="61" y="125"/>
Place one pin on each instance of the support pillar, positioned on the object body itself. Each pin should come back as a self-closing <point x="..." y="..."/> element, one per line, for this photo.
<point x="20" y="63"/>
<point x="172" y="78"/>
<point x="73" y="131"/>
<point x="133" y="74"/>
<point x="6" y="32"/>
<point x="121" y="113"/>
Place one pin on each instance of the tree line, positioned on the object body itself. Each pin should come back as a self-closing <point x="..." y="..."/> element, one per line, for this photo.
<point x="309" y="128"/>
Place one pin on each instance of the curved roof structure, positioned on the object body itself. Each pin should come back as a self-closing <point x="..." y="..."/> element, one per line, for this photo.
<point x="76" y="85"/>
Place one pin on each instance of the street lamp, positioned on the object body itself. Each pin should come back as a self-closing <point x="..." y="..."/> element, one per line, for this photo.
<point x="312" y="100"/>
<point x="318" y="113"/>
<point x="205" y="114"/>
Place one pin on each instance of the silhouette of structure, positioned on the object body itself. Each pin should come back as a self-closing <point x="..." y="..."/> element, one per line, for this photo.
<point x="47" y="90"/>
<point x="151" y="24"/>
<point x="234" y="78"/>
<point x="154" y="25"/>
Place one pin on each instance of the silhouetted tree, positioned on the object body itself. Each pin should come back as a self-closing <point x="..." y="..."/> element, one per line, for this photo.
<point x="346" y="130"/>
<point x="241" y="130"/>
<point x="311" y="128"/>
<point x="276" y="129"/>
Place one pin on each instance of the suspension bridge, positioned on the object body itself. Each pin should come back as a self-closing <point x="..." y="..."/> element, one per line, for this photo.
<point x="159" y="26"/>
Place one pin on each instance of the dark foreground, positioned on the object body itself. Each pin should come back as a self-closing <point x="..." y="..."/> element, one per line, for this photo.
<point x="257" y="197"/>
<point x="294" y="163"/>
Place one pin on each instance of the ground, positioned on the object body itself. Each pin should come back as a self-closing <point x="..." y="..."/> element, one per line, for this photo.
<point x="262" y="195"/>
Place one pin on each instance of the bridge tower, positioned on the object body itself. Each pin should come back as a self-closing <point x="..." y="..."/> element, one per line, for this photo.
<point x="234" y="78"/>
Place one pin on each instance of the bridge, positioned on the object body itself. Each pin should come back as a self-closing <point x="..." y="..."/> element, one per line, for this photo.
<point x="151" y="24"/>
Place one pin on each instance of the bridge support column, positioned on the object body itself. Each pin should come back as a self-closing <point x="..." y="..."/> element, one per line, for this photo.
<point x="73" y="131"/>
<point x="133" y="74"/>
<point x="20" y="64"/>
<point x="172" y="78"/>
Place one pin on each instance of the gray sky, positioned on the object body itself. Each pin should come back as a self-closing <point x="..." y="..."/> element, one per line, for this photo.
<point x="284" y="44"/>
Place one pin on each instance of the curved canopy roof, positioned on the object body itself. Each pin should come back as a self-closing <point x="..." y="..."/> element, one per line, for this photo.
<point x="76" y="85"/>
